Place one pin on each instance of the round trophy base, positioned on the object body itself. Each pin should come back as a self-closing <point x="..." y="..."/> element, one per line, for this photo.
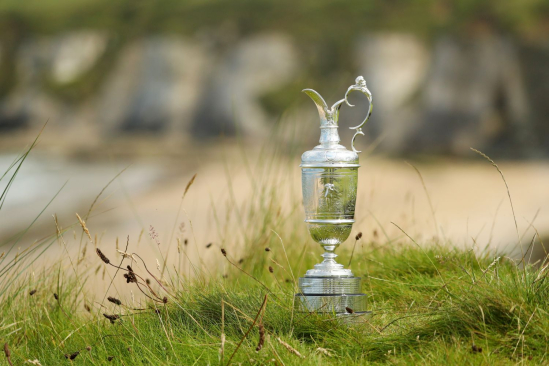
<point x="339" y="295"/>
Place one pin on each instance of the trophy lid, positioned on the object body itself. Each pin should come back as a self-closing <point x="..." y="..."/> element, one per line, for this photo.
<point x="330" y="153"/>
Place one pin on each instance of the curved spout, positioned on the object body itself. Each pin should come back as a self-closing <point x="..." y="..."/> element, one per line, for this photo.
<point x="320" y="105"/>
<point x="328" y="116"/>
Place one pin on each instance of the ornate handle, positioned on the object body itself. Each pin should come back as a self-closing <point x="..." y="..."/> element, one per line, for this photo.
<point x="360" y="85"/>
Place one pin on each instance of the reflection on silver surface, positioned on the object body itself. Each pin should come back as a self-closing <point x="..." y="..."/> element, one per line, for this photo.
<point x="329" y="285"/>
<point x="331" y="303"/>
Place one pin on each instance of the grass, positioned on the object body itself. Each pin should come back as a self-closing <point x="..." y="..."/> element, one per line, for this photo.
<point x="431" y="303"/>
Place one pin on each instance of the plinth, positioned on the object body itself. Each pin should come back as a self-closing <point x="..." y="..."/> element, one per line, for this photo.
<point x="333" y="295"/>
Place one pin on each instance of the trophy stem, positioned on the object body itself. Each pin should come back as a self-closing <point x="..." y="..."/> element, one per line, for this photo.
<point x="329" y="257"/>
<point x="329" y="267"/>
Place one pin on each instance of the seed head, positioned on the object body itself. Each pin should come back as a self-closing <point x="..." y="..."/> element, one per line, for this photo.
<point x="148" y="281"/>
<point x="267" y="249"/>
<point x="289" y="348"/>
<point x="110" y="358"/>
<point x="102" y="256"/>
<point x="241" y="260"/>
<point x="224" y="252"/>
<point x="323" y="351"/>
<point x="209" y="245"/>
<point x="476" y="349"/>
<point x="271" y="269"/>
<point x="87" y="307"/>
<point x="32" y="292"/>
<point x="114" y="300"/>
<point x="186" y="241"/>
<point x="72" y="356"/>
<point x="358" y="236"/>
<point x="261" y="337"/>
<point x="7" y="350"/>
<point x="154" y="235"/>
<point x="349" y="310"/>
<point x="83" y="224"/>
<point x="89" y="348"/>
<point x="112" y="318"/>
<point x="56" y="296"/>
<point x="165" y="300"/>
<point x="130" y="275"/>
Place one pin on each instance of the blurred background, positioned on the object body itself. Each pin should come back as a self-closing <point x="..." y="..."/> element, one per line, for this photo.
<point x="166" y="89"/>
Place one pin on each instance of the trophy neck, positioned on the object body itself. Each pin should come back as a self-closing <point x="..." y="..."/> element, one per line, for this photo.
<point x="329" y="136"/>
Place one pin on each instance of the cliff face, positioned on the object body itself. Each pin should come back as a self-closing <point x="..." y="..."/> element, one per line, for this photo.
<point x="446" y="95"/>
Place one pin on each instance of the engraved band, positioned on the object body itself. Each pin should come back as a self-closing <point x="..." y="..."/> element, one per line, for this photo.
<point x="330" y="165"/>
<point x="332" y="222"/>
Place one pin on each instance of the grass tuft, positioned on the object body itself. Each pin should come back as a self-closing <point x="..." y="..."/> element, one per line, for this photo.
<point x="486" y="312"/>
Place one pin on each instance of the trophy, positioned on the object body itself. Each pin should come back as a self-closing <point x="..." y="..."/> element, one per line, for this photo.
<point x="329" y="183"/>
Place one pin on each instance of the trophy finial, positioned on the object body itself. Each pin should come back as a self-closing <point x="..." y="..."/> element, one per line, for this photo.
<point x="360" y="81"/>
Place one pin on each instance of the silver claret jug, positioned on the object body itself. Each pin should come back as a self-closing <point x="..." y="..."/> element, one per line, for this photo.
<point x="329" y="183"/>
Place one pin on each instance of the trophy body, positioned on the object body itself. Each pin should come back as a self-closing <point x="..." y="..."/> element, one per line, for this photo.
<point x="329" y="185"/>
